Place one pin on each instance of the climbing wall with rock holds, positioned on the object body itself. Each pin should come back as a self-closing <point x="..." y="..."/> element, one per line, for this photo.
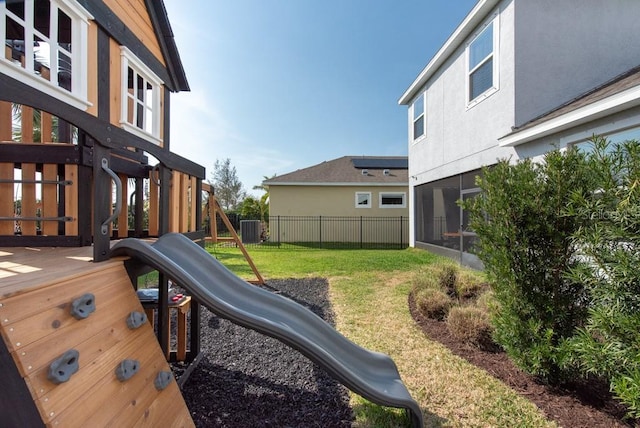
<point x="85" y="355"/>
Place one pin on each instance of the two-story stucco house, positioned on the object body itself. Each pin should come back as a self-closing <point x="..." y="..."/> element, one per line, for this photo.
<point x="515" y="79"/>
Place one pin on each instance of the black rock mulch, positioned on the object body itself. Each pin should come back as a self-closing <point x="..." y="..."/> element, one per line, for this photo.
<point x="246" y="379"/>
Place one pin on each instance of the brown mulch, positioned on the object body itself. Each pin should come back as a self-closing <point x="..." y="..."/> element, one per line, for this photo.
<point x="586" y="404"/>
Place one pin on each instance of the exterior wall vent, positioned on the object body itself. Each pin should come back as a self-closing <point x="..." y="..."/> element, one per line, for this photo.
<point x="365" y="172"/>
<point x="385" y="172"/>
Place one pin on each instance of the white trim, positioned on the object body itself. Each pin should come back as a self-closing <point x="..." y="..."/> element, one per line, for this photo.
<point x="44" y="86"/>
<point x="387" y="194"/>
<point x="613" y="104"/>
<point x="481" y="10"/>
<point x="145" y="71"/>
<point x="369" y="204"/>
<point x="77" y="96"/>
<point x="129" y="60"/>
<point x="140" y="133"/>
<point x="77" y="10"/>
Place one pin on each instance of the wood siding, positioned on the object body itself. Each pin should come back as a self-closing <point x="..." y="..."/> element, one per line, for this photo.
<point x="135" y="16"/>
<point x="37" y="328"/>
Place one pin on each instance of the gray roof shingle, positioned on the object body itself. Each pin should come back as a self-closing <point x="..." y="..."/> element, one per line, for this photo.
<point x="343" y="171"/>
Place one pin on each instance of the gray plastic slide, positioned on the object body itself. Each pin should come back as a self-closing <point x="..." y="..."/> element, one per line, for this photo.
<point x="372" y="375"/>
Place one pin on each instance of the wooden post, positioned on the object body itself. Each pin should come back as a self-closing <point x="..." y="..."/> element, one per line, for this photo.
<point x="123" y="218"/>
<point x="49" y="173"/>
<point x="28" y="176"/>
<point x="154" y="190"/>
<point x="236" y="238"/>
<point x="6" y="172"/>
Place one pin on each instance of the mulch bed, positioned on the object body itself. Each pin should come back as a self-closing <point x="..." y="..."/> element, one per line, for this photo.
<point x="247" y="379"/>
<point x="587" y="404"/>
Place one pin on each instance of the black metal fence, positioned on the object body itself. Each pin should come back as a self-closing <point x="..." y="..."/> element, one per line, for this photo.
<point x="327" y="232"/>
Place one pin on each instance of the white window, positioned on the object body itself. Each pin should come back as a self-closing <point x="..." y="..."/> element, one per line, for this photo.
<point x="140" y="112"/>
<point x="363" y="199"/>
<point x="482" y="60"/>
<point x="418" y="113"/>
<point x="46" y="46"/>
<point x="393" y="200"/>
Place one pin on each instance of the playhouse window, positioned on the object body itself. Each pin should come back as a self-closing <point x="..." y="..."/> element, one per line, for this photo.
<point x="46" y="42"/>
<point x="140" y="98"/>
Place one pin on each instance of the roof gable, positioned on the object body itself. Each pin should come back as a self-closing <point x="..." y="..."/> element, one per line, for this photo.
<point x="349" y="170"/>
<point x="143" y="28"/>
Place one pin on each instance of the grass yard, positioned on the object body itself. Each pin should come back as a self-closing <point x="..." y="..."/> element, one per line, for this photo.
<point x="369" y="291"/>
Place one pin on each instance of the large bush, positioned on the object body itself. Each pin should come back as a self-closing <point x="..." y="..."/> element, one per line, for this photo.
<point x="525" y="242"/>
<point x="608" y="345"/>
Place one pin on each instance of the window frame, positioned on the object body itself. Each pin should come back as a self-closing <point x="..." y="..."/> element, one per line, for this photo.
<point x="130" y="61"/>
<point x="368" y="205"/>
<point x="382" y="195"/>
<point x="413" y="119"/>
<point x="493" y="56"/>
<point x="80" y="17"/>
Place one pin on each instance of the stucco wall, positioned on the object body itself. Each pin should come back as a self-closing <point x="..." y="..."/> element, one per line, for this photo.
<point x="565" y="48"/>
<point x="461" y="138"/>
<point x="329" y="201"/>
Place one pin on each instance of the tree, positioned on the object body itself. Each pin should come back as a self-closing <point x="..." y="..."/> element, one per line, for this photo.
<point x="263" y="203"/>
<point x="250" y="208"/>
<point x="227" y="186"/>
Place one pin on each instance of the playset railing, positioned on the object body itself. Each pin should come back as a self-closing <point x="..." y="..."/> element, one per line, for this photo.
<point x="60" y="186"/>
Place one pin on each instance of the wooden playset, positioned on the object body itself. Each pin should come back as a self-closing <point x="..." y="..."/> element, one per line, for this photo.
<point x="85" y="159"/>
<point x="85" y="91"/>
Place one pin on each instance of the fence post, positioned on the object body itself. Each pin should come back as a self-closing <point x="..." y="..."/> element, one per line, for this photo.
<point x="360" y="232"/>
<point x="401" y="235"/>
<point x="320" y="224"/>
<point x="278" y="231"/>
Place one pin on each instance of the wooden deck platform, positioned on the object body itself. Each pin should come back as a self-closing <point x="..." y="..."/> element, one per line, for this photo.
<point x="22" y="269"/>
<point x="37" y="286"/>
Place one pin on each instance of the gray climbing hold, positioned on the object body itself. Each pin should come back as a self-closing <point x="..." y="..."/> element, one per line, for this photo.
<point x="63" y="367"/>
<point x="136" y="320"/>
<point x="163" y="380"/>
<point x="126" y="369"/>
<point x="83" y="306"/>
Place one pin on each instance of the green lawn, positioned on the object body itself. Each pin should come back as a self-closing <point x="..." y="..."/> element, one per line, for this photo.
<point x="369" y="290"/>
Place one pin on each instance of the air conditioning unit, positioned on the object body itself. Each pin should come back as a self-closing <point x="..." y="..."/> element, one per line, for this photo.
<point x="250" y="231"/>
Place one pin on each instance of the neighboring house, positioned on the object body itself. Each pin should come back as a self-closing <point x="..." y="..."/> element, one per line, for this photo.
<point x="350" y="186"/>
<point x="514" y="80"/>
<point x="85" y="96"/>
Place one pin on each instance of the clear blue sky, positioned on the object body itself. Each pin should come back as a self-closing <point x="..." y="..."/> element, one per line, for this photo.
<point x="279" y="85"/>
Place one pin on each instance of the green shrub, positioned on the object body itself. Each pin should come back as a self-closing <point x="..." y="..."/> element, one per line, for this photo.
<point x="525" y="243"/>
<point x="470" y="324"/>
<point x="432" y="303"/>
<point x="487" y="301"/>
<point x="609" y="343"/>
